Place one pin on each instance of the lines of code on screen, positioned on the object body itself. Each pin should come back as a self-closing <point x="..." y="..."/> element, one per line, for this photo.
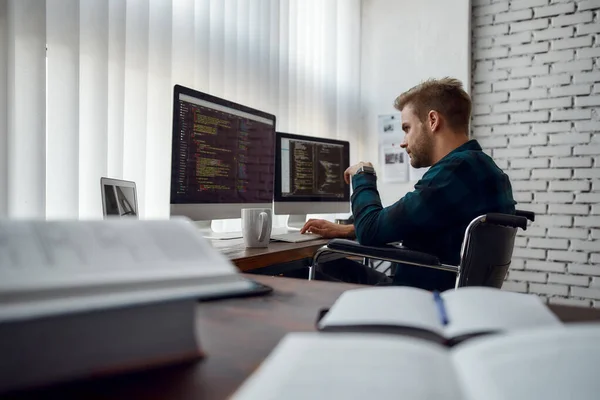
<point x="221" y="157"/>
<point x="315" y="170"/>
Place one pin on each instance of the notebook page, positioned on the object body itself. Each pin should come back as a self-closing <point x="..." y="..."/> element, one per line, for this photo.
<point x="393" y="306"/>
<point x="480" y="309"/>
<point x="57" y="267"/>
<point x="352" y="366"/>
<point x="56" y="254"/>
<point x="544" y="363"/>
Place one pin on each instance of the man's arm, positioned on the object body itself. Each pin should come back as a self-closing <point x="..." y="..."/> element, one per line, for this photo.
<point x="433" y="204"/>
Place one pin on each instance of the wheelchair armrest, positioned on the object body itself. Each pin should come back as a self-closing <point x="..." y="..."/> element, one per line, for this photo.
<point x="530" y="215"/>
<point x="513" y="221"/>
<point x="390" y="253"/>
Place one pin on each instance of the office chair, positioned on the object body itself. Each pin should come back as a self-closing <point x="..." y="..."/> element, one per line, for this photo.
<point x="485" y="255"/>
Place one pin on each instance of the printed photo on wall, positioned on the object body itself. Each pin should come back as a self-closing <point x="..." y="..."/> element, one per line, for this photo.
<point x="389" y="128"/>
<point x="394" y="160"/>
<point x="395" y="163"/>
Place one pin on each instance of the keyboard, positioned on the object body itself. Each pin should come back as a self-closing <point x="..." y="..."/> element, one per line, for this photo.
<point x="222" y="235"/>
<point x="295" y="237"/>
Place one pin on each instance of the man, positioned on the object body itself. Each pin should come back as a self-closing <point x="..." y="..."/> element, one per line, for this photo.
<point x="462" y="183"/>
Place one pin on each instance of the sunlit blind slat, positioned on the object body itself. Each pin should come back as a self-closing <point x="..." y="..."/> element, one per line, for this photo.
<point x="93" y="104"/>
<point x="230" y="61"/>
<point x="242" y="27"/>
<point x="116" y="88"/>
<point x="62" y="156"/>
<point x="158" y="157"/>
<point x="316" y="102"/>
<point x="264" y="83"/>
<point x="26" y="74"/>
<point x="216" y="47"/>
<point x="3" y="108"/>
<point x="273" y="43"/>
<point x="330" y="66"/>
<point x="283" y="119"/>
<point x="183" y="43"/>
<point x="136" y="96"/>
<point x="293" y="59"/>
<point x="348" y="71"/>
<point x="202" y="43"/>
<point x="254" y="84"/>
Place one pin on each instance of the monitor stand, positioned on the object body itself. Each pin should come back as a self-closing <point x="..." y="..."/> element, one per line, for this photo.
<point x="205" y="228"/>
<point x="296" y="222"/>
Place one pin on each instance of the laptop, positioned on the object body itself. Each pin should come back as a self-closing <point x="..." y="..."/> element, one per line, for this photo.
<point x="119" y="198"/>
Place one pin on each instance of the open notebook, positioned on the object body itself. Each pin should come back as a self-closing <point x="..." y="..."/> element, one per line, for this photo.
<point x="545" y="363"/>
<point x="454" y="316"/>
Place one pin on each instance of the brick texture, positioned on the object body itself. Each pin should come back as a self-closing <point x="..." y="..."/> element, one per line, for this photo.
<point x="536" y="92"/>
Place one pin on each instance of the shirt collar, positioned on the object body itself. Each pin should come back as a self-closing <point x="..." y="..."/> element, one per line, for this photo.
<point x="471" y="145"/>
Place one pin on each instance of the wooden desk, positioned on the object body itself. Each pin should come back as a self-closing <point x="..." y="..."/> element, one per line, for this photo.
<point x="277" y="252"/>
<point x="237" y="335"/>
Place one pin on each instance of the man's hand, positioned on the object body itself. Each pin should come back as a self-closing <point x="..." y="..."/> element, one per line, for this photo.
<point x="351" y="171"/>
<point x="328" y="229"/>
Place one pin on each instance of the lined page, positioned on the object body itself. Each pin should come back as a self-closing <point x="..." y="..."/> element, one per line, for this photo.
<point x="551" y="364"/>
<point x="393" y="306"/>
<point x="480" y="309"/>
<point x="352" y="366"/>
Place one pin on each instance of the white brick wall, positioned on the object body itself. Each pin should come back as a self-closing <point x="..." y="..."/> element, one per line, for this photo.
<point x="536" y="93"/>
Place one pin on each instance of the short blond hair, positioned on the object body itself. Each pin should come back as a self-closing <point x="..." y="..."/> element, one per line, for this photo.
<point x="445" y="96"/>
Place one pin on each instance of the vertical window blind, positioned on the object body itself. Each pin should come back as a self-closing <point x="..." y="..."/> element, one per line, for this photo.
<point x="86" y="87"/>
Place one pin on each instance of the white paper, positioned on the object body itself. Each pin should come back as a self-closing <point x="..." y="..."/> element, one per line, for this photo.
<point x="392" y="306"/>
<point x="46" y="254"/>
<point x="66" y="266"/>
<point x="546" y="363"/>
<point x="352" y="366"/>
<point x="393" y="159"/>
<point x="470" y="310"/>
<point x="395" y="163"/>
<point x="480" y="309"/>
<point x="389" y="128"/>
<point x="395" y="168"/>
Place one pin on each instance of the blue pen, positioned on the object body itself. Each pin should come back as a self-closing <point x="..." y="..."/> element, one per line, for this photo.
<point x="441" y="308"/>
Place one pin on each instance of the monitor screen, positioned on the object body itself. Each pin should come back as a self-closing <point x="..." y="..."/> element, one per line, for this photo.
<point x="311" y="170"/>
<point x="222" y="154"/>
<point x="119" y="198"/>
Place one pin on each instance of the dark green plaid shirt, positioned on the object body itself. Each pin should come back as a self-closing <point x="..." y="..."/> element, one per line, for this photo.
<point x="464" y="184"/>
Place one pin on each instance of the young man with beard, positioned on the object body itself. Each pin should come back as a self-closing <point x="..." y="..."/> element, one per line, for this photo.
<point x="462" y="183"/>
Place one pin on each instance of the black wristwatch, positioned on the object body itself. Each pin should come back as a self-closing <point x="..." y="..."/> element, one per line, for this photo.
<point x="366" y="170"/>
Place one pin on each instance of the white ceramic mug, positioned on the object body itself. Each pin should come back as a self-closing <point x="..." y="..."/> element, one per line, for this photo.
<point x="256" y="226"/>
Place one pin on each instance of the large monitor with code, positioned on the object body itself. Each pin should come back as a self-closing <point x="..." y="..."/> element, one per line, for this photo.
<point x="222" y="157"/>
<point x="309" y="175"/>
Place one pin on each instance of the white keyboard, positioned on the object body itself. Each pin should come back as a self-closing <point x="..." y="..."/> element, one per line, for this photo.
<point x="222" y="235"/>
<point x="295" y="237"/>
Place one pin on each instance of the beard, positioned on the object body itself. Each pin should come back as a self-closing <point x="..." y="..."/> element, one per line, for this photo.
<point x="421" y="149"/>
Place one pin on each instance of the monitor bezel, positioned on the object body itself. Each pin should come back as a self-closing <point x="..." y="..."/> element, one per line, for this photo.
<point x="277" y="196"/>
<point x="208" y="211"/>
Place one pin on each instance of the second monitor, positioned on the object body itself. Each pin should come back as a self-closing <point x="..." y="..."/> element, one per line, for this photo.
<point x="309" y="176"/>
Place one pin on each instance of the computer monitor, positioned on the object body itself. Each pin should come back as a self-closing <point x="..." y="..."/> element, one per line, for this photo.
<point x="309" y="176"/>
<point x="119" y="198"/>
<point x="222" y="157"/>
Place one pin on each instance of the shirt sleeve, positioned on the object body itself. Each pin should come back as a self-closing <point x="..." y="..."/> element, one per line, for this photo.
<point x="432" y="205"/>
